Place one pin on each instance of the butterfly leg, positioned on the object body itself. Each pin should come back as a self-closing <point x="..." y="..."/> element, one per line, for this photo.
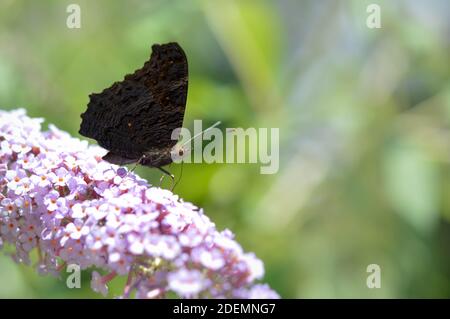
<point x="134" y="167"/>
<point x="137" y="163"/>
<point x="166" y="173"/>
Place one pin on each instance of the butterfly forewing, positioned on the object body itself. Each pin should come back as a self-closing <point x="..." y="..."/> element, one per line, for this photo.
<point x="139" y="113"/>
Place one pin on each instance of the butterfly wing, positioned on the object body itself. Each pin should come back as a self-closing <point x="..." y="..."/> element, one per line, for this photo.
<point x="139" y="113"/>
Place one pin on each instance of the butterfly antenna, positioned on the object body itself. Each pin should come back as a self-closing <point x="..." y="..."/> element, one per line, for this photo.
<point x="204" y="131"/>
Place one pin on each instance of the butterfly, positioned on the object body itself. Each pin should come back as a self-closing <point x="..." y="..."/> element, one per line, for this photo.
<point x="134" y="119"/>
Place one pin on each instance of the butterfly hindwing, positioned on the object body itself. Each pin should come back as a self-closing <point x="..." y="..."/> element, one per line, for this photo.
<point x="118" y="159"/>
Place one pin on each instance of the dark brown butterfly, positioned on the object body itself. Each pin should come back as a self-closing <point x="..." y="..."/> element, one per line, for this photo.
<point x="134" y="119"/>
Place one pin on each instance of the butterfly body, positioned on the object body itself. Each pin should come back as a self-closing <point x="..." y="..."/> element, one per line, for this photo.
<point x="134" y="119"/>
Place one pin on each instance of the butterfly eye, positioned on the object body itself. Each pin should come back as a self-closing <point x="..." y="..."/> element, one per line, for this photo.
<point x="181" y="152"/>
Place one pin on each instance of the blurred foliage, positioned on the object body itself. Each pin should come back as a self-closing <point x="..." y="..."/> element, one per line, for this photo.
<point x="364" y="118"/>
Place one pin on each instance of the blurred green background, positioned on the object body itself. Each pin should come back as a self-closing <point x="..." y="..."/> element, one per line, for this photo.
<point x="364" y="118"/>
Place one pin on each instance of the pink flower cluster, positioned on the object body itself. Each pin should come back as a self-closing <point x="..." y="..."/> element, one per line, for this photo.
<point x="58" y="196"/>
